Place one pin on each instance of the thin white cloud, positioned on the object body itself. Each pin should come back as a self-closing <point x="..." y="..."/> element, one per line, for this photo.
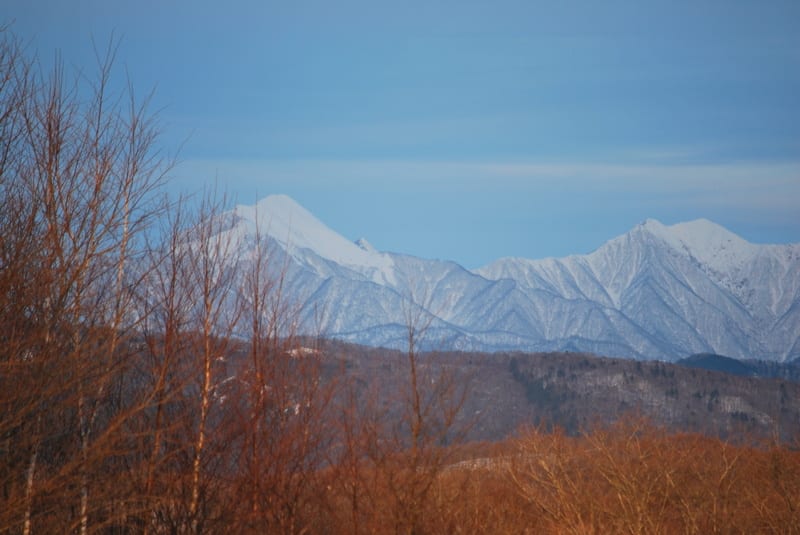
<point x="756" y="184"/>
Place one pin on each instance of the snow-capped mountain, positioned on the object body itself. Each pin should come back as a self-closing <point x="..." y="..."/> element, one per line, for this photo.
<point x="657" y="291"/>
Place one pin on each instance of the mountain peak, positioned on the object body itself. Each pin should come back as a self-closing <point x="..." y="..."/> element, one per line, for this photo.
<point x="279" y="202"/>
<point x="708" y="242"/>
<point x="282" y="218"/>
<point x="652" y="224"/>
<point x="286" y="221"/>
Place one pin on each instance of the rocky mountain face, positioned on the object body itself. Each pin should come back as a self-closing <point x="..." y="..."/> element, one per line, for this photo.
<point x="656" y="292"/>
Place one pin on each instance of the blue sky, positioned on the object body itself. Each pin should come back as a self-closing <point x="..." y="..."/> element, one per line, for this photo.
<point x="467" y="130"/>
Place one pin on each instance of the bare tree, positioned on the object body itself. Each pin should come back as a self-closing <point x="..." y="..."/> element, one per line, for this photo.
<point x="165" y="301"/>
<point x="77" y="183"/>
<point x="282" y="398"/>
<point x="397" y="433"/>
<point x="211" y="257"/>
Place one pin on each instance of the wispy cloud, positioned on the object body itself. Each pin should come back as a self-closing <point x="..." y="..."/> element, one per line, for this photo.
<point x="755" y="184"/>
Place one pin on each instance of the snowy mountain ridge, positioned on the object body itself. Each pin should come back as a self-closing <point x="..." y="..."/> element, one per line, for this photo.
<point x="655" y="292"/>
<point x="295" y="228"/>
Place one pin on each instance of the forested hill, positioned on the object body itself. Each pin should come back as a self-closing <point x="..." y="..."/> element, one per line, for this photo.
<point x="577" y="391"/>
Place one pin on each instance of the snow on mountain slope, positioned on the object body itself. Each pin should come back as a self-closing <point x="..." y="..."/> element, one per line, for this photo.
<point x="687" y="286"/>
<point x="656" y="291"/>
<point x="712" y="245"/>
<point x="295" y="228"/>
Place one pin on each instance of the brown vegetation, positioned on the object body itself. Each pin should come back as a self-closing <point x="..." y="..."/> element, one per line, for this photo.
<point x="152" y="382"/>
<point x="631" y="477"/>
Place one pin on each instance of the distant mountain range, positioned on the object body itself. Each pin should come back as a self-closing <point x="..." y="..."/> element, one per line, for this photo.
<point x="656" y="292"/>
<point x="788" y="371"/>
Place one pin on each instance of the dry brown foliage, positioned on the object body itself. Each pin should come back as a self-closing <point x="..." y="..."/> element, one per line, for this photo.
<point x="633" y="477"/>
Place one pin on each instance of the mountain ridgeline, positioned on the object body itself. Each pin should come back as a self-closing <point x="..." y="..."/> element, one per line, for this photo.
<point x="656" y="292"/>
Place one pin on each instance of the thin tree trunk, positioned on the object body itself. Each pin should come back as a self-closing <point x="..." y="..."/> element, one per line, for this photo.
<point x="205" y="403"/>
<point x="26" y="528"/>
<point x="84" y="515"/>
